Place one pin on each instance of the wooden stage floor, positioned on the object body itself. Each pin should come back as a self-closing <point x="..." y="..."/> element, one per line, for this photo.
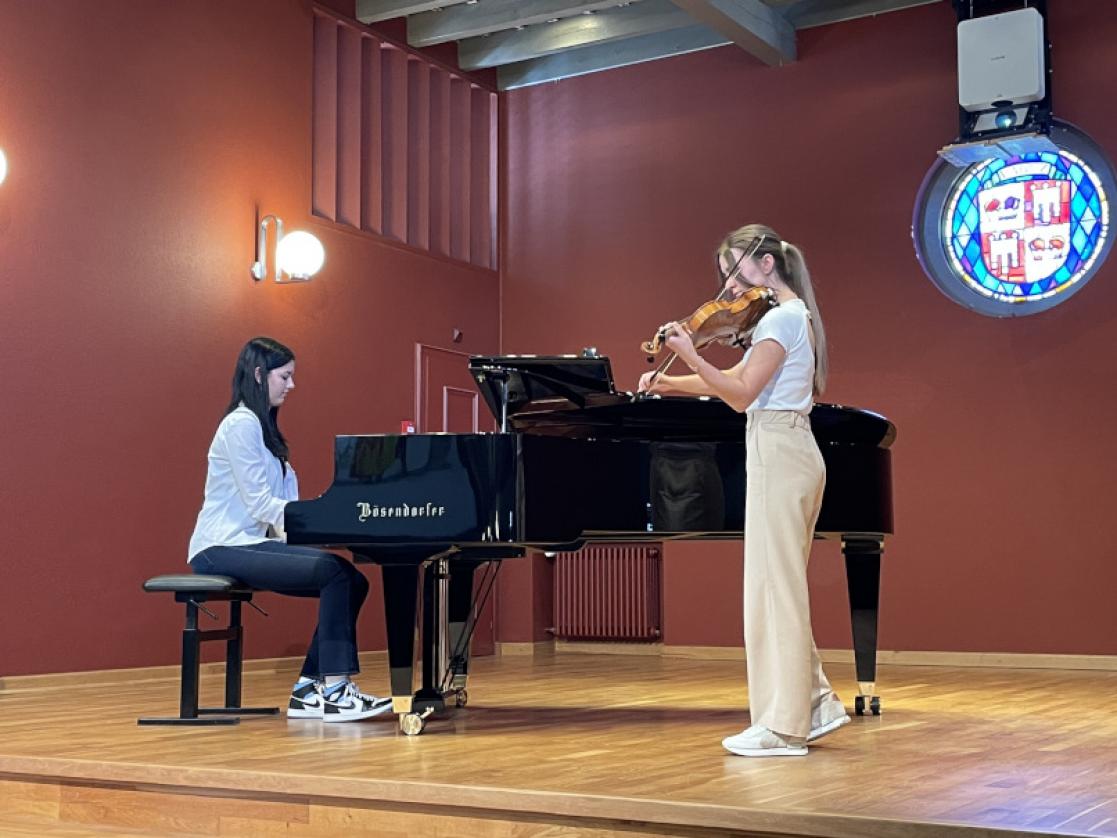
<point x="571" y="744"/>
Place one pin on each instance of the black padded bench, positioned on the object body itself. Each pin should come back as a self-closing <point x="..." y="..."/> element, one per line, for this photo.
<point x="194" y="591"/>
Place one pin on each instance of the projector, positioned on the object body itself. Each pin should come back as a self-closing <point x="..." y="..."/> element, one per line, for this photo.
<point x="1001" y="60"/>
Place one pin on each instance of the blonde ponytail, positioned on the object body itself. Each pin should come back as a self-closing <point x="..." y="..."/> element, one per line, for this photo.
<point x="756" y="240"/>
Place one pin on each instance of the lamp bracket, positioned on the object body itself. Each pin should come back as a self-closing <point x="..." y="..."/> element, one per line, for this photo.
<point x="260" y="266"/>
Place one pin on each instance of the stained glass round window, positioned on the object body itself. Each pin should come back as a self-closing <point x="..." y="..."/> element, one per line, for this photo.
<point x="1015" y="236"/>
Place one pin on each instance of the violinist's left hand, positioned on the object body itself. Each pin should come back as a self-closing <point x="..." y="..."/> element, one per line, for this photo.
<point x="679" y="342"/>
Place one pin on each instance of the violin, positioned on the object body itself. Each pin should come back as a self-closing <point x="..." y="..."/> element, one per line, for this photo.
<point x="727" y="321"/>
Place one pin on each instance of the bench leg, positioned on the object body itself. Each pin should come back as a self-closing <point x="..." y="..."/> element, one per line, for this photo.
<point x="191" y="665"/>
<point x="234" y="671"/>
<point x="188" y="680"/>
<point x="234" y="656"/>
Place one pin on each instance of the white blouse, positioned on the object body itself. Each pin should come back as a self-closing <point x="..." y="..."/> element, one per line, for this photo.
<point x="246" y="489"/>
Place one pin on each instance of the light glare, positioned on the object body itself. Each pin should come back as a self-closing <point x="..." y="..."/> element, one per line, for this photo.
<point x="300" y="254"/>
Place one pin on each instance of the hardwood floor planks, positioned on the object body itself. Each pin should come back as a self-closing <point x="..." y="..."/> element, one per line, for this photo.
<point x="576" y="744"/>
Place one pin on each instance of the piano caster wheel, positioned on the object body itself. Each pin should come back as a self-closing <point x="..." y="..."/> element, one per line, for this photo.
<point x="412" y="724"/>
<point x="859" y="705"/>
<point x="461" y="698"/>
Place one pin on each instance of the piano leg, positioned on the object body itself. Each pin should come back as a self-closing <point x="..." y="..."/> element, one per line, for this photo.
<point x="400" y="587"/>
<point x="459" y="626"/>
<point x="429" y="698"/>
<point x="447" y="592"/>
<point x="401" y="583"/>
<point x="863" y="578"/>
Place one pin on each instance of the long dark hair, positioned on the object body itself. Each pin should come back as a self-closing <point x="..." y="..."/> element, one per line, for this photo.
<point x="266" y="355"/>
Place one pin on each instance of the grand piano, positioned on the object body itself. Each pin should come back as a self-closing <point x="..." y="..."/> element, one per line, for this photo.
<point x="574" y="461"/>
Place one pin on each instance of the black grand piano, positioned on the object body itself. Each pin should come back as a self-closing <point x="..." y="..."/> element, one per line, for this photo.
<point x="574" y="461"/>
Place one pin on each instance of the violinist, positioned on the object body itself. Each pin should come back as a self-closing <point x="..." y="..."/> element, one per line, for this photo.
<point x="791" y="701"/>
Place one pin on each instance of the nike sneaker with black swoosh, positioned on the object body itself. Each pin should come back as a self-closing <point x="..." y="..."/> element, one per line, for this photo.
<point x="346" y="703"/>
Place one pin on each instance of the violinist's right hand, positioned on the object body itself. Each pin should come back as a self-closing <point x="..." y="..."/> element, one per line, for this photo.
<point x="651" y="383"/>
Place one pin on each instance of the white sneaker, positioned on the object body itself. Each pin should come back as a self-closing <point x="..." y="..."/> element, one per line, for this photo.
<point x="348" y="704"/>
<point x="359" y="693"/>
<point x="306" y="701"/>
<point x="758" y="741"/>
<point x="828" y="716"/>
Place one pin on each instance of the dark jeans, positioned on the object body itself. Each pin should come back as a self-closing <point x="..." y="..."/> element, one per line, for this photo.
<point x="307" y="572"/>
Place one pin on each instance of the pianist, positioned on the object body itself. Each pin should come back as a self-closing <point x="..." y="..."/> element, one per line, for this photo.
<point x="790" y="700"/>
<point x="239" y="533"/>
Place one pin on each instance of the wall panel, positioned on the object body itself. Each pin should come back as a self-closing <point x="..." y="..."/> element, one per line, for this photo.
<point x="402" y="147"/>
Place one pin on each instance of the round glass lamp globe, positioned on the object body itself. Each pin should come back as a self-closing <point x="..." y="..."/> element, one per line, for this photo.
<point x="3" y="166"/>
<point x="300" y="254"/>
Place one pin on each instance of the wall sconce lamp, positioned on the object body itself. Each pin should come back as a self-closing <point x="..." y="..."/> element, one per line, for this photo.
<point x="3" y="166"/>
<point x="298" y="255"/>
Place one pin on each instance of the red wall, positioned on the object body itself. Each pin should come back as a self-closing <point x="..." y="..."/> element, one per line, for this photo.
<point x="142" y="137"/>
<point x="621" y="184"/>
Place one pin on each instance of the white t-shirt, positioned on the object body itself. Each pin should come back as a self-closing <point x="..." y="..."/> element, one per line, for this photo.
<point x="792" y="387"/>
<point x="246" y="489"/>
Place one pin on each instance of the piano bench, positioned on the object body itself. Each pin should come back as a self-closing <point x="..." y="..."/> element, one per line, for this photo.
<point x="194" y="590"/>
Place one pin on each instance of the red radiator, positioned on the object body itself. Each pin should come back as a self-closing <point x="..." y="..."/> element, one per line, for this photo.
<point x="608" y="593"/>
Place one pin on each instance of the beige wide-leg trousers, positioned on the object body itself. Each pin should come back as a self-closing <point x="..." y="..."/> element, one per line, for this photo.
<point x="786" y="476"/>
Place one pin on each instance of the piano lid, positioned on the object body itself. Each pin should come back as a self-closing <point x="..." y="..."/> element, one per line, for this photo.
<point x="574" y="396"/>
